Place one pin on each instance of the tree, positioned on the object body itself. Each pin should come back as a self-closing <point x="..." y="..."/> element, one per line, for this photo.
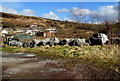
<point x="79" y="16"/>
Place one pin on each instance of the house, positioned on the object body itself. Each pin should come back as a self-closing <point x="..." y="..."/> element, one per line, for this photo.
<point x="49" y="32"/>
<point x="30" y="32"/>
<point x="19" y="31"/>
<point x="4" y="32"/>
<point x="46" y="32"/>
<point x="41" y="31"/>
<point x="33" y="25"/>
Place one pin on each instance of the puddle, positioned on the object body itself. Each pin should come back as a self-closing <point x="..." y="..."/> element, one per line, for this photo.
<point x="25" y="54"/>
<point x="58" y="69"/>
<point x="14" y="60"/>
<point x="29" y="55"/>
<point x="12" y="71"/>
<point x="2" y="52"/>
<point x="19" y="53"/>
<point x="52" y="61"/>
<point x="25" y="68"/>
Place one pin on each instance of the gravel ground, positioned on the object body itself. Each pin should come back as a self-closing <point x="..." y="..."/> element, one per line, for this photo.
<point x="29" y="66"/>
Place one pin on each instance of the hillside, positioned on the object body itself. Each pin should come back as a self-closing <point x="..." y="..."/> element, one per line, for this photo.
<point x="66" y="29"/>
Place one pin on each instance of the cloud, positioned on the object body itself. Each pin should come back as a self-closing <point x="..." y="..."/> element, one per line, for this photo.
<point x="63" y="10"/>
<point x="76" y="14"/>
<point x="9" y="11"/>
<point x="51" y="15"/>
<point x="3" y="9"/>
<point x="75" y="11"/>
<point x="27" y="12"/>
<point x="69" y="19"/>
<point x="107" y="13"/>
<point x="103" y="13"/>
<point x="97" y="22"/>
<point x="0" y="8"/>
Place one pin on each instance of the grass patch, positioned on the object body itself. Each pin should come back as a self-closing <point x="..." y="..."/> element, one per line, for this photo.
<point x="106" y="55"/>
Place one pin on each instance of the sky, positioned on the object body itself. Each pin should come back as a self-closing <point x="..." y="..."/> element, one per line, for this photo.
<point x="59" y="0"/>
<point x="61" y="10"/>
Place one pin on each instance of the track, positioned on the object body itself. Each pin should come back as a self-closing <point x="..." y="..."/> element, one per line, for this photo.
<point x="30" y="66"/>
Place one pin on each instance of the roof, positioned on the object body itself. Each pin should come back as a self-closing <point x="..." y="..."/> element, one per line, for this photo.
<point x="23" y="37"/>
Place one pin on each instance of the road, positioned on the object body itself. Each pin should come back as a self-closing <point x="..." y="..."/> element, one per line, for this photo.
<point x="31" y="66"/>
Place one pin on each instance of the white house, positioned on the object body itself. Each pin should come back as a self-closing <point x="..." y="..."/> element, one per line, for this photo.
<point x="31" y="32"/>
<point x="33" y="25"/>
<point x="4" y="32"/>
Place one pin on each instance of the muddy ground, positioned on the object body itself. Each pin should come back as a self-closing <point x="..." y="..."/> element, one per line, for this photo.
<point x="31" y="66"/>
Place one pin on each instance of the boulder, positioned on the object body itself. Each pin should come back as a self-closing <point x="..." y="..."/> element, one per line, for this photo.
<point x="43" y="42"/>
<point x="15" y="43"/>
<point x="65" y="41"/>
<point x="98" y="39"/>
<point x="29" y="44"/>
<point x="53" y="41"/>
<point x="74" y="42"/>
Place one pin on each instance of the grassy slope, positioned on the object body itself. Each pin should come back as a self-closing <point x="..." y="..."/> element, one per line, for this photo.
<point x="73" y="29"/>
<point x="107" y="56"/>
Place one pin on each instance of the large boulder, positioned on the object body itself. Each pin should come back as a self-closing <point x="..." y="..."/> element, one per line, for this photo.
<point x="53" y="41"/>
<point x="98" y="39"/>
<point x="78" y="42"/>
<point x="43" y="42"/>
<point x="15" y="43"/>
<point x="36" y="42"/>
<point x="74" y="42"/>
<point x="83" y="42"/>
<point x="29" y="44"/>
<point x="65" y="41"/>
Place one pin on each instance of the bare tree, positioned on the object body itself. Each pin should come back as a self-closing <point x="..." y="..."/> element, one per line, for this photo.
<point x="78" y="15"/>
<point x="107" y="22"/>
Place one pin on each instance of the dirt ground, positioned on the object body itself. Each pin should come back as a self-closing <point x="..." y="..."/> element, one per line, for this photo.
<point x="30" y="66"/>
